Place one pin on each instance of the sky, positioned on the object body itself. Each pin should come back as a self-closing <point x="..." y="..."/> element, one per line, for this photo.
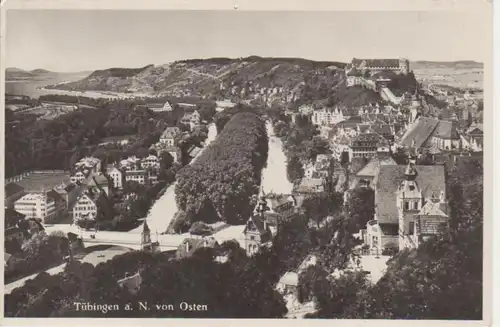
<point x="82" y="40"/>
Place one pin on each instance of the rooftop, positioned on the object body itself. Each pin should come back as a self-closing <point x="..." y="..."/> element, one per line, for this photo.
<point x="40" y="180"/>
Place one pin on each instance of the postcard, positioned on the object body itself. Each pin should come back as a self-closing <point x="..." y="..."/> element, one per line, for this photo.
<point x="235" y="161"/>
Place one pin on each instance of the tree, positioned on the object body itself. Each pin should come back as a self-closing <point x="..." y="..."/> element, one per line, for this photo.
<point x="294" y="169"/>
<point x="316" y="207"/>
<point x="360" y="207"/>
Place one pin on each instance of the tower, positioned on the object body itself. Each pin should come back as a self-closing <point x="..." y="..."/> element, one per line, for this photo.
<point x="404" y="66"/>
<point x="146" y="237"/>
<point x="409" y="203"/>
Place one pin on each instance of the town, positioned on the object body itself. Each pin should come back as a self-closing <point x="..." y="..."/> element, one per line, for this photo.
<point x="300" y="190"/>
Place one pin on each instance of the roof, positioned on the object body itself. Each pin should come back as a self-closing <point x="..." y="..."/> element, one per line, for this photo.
<point x="290" y="278"/>
<point x="99" y="180"/>
<point x="372" y="167"/>
<point x="258" y="221"/>
<point x="354" y="72"/>
<point x="171" y="132"/>
<point x="431" y="209"/>
<point x="145" y="227"/>
<point x="475" y="126"/>
<point x="393" y="63"/>
<point x="430" y="179"/>
<point x="39" y="180"/>
<point x="196" y="243"/>
<point x="12" y="188"/>
<point x="446" y="130"/>
<point x="419" y="132"/>
<point x="367" y="137"/>
<point x="280" y="200"/>
<point x="382" y="129"/>
<point x="193" y="152"/>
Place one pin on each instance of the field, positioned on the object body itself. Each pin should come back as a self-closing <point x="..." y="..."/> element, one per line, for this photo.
<point x="456" y="77"/>
<point x="39" y="180"/>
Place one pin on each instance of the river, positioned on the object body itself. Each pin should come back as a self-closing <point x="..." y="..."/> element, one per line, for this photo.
<point x="274" y="174"/>
<point x="163" y="210"/>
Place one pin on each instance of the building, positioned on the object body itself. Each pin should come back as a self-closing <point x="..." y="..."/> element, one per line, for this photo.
<point x="131" y="163"/>
<point x="37" y="205"/>
<point x="327" y="116"/>
<point x="169" y="136"/>
<point x="288" y="283"/>
<point x="431" y="132"/>
<point x="368" y="173"/>
<point x="101" y="181"/>
<point x="13" y="192"/>
<point x="191" y="244"/>
<point x="310" y="186"/>
<point x="257" y="233"/>
<point x="401" y="194"/>
<point x="366" y="145"/>
<point x="92" y="205"/>
<point x="475" y="136"/>
<point x="150" y="161"/>
<point x="400" y="66"/>
<point x="192" y="119"/>
<point x="138" y="176"/>
<point x="80" y="175"/>
<point x="90" y="163"/>
<point x="116" y="177"/>
<point x="147" y="244"/>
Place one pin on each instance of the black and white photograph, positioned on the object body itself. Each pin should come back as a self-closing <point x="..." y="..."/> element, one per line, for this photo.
<point x="280" y="164"/>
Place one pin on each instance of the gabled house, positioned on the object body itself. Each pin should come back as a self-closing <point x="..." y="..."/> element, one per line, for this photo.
<point x="92" y="205"/>
<point x="402" y="196"/>
<point x="431" y="132"/>
<point x="150" y="161"/>
<point x="100" y="180"/>
<point x="257" y="233"/>
<point x="116" y="176"/>
<point x="169" y="136"/>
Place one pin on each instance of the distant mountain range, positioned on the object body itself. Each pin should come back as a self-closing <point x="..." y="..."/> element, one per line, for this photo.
<point x="17" y="74"/>
<point x="464" y="64"/>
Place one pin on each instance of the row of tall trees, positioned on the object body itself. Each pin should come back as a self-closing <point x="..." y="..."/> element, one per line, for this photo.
<point x="228" y="173"/>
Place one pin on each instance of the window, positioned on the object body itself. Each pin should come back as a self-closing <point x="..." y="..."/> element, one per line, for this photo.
<point x="415" y="205"/>
<point x="407" y="205"/>
<point x="252" y="238"/>
<point x="411" y="228"/>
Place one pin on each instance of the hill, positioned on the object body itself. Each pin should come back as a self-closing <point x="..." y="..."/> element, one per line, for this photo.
<point x="447" y="64"/>
<point x="202" y="76"/>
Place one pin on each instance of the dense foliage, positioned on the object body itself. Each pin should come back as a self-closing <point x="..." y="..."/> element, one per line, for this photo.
<point x="240" y="288"/>
<point x="227" y="174"/>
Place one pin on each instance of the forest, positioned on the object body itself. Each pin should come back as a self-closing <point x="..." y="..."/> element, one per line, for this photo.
<point x="227" y="175"/>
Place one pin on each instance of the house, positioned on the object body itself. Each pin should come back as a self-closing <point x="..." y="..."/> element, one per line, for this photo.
<point x="257" y="233"/>
<point x="431" y="132"/>
<point x="366" y="145"/>
<point x="191" y="244"/>
<point x="140" y="176"/>
<point x="13" y="192"/>
<point x="131" y="163"/>
<point x="475" y="136"/>
<point x="402" y="194"/>
<point x="150" y="161"/>
<point x="311" y="185"/>
<point x="354" y="77"/>
<point x="192" y="119"/>
<point x="169" y="136"/>
<point x="327" y="116"/>
<point x="37" y="205"/>
<point x="371" y="169"/>
<point x="116" y="177"/>
<point x="401" y="66"/>
<point x="80" y="175"/>
<point x="100" y="180"/>
<point x="92" y="205"/>
<point x="288" y="283"/>
<point x="281" y="207"/>
<point x="90" y="163"/>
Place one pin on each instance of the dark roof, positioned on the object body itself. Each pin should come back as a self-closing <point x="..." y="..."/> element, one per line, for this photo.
<point x="12" y="188"/>
<point x="419" y="132"/>
<point x="430" y="180"/>
<point x="354" y="72"/>
<point x="146" y="227"/>
<point x="382" y="128"/>
<point x="99" y="180"/>
<point x="389" y="229"/>
<point x="258" y="221"/>
<point x="12" y="217"/>
<point x="446" y="130"/>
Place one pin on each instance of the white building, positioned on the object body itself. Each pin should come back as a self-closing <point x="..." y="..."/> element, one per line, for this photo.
<point x="116" y="176"/>
<point x="326" y="116"/>
<point x="36" y="205"/>
<point x="87" y="205"/>
<point x="150" y="161"/>
<point x="169" y="135"/>
<point x="91" y="163"/>
<point x="139" y="176"/>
